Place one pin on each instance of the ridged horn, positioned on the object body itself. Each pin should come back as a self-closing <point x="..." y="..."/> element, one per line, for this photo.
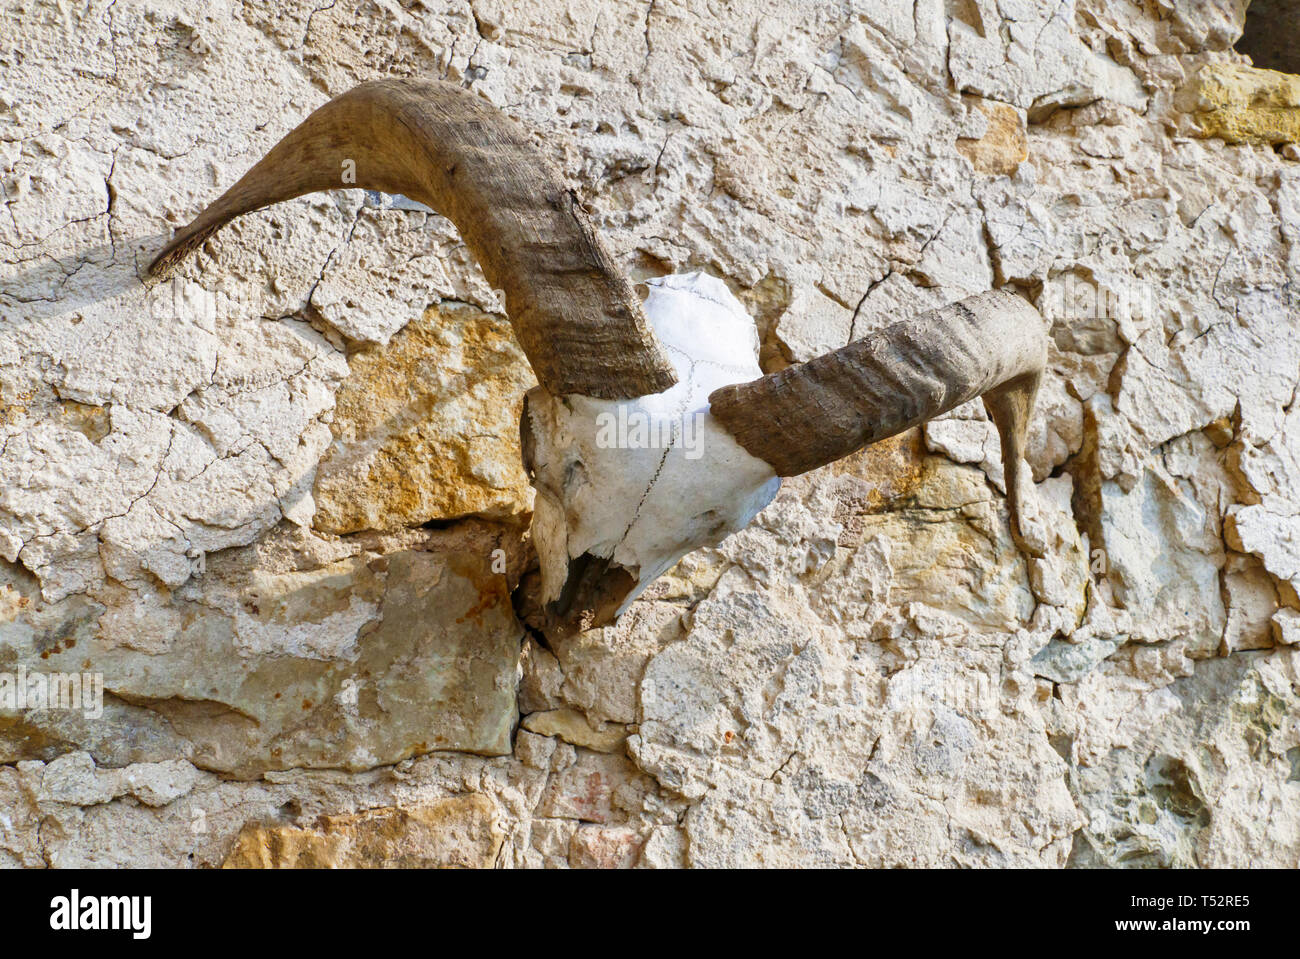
<point x="992" y="345"/>
<point x="572" y="308"/>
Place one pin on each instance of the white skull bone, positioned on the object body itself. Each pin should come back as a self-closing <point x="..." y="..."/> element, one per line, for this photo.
<point x="626" y="488"/>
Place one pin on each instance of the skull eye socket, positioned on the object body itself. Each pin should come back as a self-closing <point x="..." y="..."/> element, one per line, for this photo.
<point x="594" y="589"/>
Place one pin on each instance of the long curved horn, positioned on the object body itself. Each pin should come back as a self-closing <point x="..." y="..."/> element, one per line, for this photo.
<point x="573" y="310"/>
<point x="992" y="345"/>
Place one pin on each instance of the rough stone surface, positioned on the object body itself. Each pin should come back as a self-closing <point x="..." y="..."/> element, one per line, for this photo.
<point x="425" y="427"/>
<point x="455" y="833"/>
<point x="574" y="727"/>
<point x="1003" y="147"/>
<point x="357" y="662"/>
<point x="275" y="502"/>
<point x="1246" y="105"/>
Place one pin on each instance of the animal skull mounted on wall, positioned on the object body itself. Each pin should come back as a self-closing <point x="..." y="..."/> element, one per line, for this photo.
<point x="652" y="431"/>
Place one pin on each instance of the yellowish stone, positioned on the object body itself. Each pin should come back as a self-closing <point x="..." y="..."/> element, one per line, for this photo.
<point x="426" y="427"/>
<point x="460" y="832"/>
<point x="1003" y="147"/>
<point x="1245" y="105"/>
<point x="573" y="727"/>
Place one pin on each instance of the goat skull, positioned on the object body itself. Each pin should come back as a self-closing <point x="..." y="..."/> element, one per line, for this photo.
<point x="653" y="431"/>
<point x="625" y="488"/>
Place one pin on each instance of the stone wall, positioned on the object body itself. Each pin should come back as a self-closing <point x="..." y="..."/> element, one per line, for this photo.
<point x="275" y="502"/>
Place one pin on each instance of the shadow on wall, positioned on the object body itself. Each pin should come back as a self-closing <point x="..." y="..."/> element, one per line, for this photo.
<point x="46" y="290"/>
<point x="87" y="310"/>
<point x="105" y="288"/>
<point x="1272" y="35"/>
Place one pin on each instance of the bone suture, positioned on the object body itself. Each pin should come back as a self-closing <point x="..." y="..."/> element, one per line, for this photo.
<point x="609" y="519"/>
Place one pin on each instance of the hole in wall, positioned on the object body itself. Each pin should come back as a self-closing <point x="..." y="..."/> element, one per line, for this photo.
<point x="1271" y="37"/>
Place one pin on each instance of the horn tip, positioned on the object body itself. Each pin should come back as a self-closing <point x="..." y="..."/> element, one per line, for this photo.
<point x="176" y="250"/>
